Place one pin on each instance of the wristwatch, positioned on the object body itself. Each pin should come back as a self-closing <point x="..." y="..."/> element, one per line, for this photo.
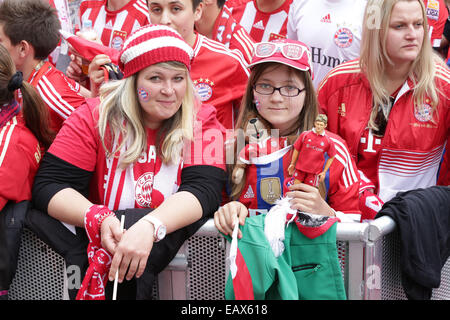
<point x="159" y="231"/>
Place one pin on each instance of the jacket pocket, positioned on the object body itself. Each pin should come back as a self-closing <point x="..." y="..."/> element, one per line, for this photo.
<point x="315" y="282"/>
<point x="312" y="267"/>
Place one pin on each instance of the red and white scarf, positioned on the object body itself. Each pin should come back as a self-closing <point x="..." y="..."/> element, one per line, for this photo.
<point x="144" y="184"/>
<point x="93" y="286"/>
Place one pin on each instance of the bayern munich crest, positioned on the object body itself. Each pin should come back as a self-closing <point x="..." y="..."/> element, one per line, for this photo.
<point x="118" y="39"/>
<point x="203" y="87"/>
<point x="143" y="94"/>
<point x="143" y="190"/>
<point x="343" y="38"/>
<point x="117" y="43"/>
<point x="424" y="113"/>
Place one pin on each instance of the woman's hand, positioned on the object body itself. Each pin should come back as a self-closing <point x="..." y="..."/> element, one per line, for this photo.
<point x="111" y="234"/>
<point x="224" y="217"/>
<point x="132" y="251"/>
<point x="307" y="198"/>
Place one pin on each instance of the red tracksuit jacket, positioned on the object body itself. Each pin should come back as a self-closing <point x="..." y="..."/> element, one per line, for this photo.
<point x="412" y="150"/>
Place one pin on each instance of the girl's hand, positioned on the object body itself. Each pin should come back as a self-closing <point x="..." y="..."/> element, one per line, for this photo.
<point x="224" y="217"/>
<point x="307" y="198"/>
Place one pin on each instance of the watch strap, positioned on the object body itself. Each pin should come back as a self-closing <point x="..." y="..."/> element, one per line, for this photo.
<point x="157" y="224"/>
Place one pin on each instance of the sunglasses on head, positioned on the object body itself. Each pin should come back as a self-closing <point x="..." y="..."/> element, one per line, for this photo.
<point x="291" y="51"/>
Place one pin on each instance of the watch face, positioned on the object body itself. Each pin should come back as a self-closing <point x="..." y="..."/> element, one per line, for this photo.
<point x="161" y="232"/>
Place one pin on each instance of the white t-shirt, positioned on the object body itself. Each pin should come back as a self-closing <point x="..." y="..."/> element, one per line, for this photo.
<point x="331" y="28"/>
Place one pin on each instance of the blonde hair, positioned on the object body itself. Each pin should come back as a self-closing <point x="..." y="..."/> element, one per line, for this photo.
<point x="121" y="113"/>
<point x="374" y="59"/>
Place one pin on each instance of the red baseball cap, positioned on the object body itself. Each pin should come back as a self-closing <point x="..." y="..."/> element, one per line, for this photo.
<point x="290" y="52"/>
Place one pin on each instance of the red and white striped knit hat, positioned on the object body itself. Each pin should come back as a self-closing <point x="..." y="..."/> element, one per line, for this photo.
<point x="153" y="44"/>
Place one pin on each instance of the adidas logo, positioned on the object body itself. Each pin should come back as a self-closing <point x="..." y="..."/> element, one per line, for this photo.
<point x="249" y="194"/>
<point x="326" y="19"/>
<point x="259" y="25"/>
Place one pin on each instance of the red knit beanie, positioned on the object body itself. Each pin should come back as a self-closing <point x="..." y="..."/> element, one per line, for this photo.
<point x="153" y="44"/>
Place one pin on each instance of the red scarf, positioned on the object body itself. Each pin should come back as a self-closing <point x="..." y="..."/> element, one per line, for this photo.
<point x="93" y="286"/>
<point x="8" y="111"/>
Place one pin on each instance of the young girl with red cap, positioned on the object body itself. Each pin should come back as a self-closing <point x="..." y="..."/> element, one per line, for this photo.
<point x="280" y="93"/>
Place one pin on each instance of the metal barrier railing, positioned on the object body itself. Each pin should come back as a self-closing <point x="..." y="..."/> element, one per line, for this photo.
<point x="368" y="254"/>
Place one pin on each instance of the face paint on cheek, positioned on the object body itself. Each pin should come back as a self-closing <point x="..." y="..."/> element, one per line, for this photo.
<point x="257" y="103"/>
<point x="143" y="95"/>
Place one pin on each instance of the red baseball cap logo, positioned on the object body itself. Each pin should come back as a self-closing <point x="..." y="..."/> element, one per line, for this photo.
<point x="286" y="51"/>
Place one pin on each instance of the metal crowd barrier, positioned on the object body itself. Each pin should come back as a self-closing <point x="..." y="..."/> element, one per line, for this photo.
<point x="369" y="256"/>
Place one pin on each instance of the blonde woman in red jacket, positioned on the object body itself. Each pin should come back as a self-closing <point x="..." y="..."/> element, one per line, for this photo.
<point x="392" y="104"/>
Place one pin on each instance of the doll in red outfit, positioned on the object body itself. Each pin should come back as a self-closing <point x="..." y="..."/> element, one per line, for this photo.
<point x="311" y="146"/>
